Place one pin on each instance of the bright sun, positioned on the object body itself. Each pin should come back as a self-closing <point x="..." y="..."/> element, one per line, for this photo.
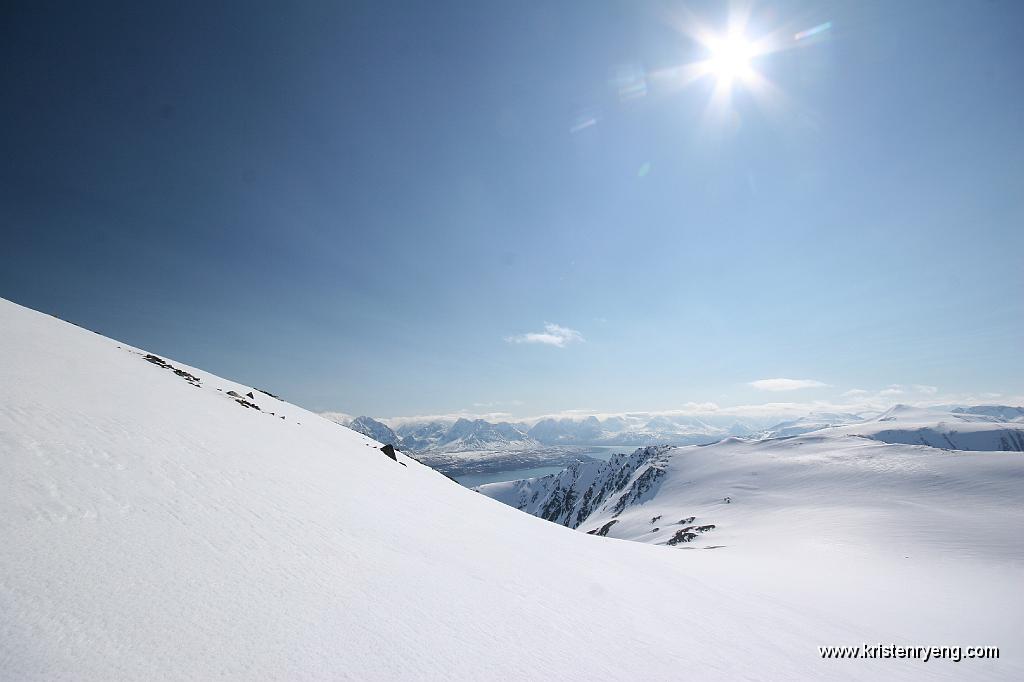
<point x="730" y="58"/>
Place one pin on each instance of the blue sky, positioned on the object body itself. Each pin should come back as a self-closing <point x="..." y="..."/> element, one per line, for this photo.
<point x="430" y="208"/>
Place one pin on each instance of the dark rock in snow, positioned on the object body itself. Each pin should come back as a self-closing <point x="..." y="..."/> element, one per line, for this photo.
<point x="689" y="533"/>
<point x="603" y="530"/>
<point x="681" y="536"/>
<point x="245" y="403"/>
<point x="160" y="362"/>
<point x="389" y="450"/>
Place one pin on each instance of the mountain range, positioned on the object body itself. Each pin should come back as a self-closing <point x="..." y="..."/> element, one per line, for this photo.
<point x="463" y="435"/>
<point x="596" y="494"/>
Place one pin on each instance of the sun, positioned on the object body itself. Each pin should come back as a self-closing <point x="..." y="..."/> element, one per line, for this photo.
<point x="730" y="58"/>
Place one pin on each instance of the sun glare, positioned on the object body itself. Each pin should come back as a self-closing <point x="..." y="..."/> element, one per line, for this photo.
<point x="730" y="58"/>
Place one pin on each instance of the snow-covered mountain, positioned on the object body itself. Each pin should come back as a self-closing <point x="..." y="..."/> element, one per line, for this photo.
<point x="945" y="520"/>
<point x="1000" y="412"/>
<point x="629" y="430"/>
<point x="465" y="446"/>
<point x="460" y="435"/>
<point x="160" y="522"/>
<point x="961" y="429"/>
<point x="465" y="435"/>
<point x="571" y="496"/>
<point x="376" y="430"/>
<point x="810" y="422"/>
<point x="478" y="434"/>
<point x="592" y="493"/>
<point x="742" y="492"/>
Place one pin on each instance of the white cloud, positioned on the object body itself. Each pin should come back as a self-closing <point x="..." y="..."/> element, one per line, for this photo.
<point x="786" y="384"/>
<point x="342" y="418"/>
<point x="553" y="335"/>
<point x="395" y="422"/>
<point x="866" y="403"/>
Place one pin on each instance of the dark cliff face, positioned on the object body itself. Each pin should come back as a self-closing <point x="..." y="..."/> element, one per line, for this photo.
<point x="572" y="495"/>
<point x="643" y="484"/>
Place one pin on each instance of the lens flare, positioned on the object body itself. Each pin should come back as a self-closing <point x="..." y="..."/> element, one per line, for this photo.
<point x="730" y="58"/>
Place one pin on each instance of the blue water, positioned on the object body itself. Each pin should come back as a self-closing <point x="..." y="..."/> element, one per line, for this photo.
<point x="473" y="480"/>
<point x="605" y="452"/>
<point x="597" y="452"/>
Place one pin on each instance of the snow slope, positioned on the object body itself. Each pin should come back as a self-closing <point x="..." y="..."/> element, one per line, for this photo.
<point x="867" y="527"/>
<point x="961" y="429"/>
<point x="154" y="527"/>
<point x="811" y="422"/>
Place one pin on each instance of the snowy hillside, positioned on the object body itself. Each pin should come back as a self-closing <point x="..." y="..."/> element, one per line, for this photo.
<point x="808" y="423"/>
<point x="159" y="522"/>
<point x="946" y="523"/>
<point x="960" y="429"/>
<point x="723" y="493"/>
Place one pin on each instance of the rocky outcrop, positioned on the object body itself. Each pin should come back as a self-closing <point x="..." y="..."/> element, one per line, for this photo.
<point x="575" y="493"/>
<point x="688" y="534"/>
<point x="160" y="362"/>
<point x="603" y="530"/>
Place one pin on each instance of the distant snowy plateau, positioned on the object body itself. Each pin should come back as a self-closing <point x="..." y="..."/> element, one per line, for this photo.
<point x="158" y="522"/>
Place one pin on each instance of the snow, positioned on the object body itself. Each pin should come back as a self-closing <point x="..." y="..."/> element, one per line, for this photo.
<point x="963" y="429"/>
<point x="914" y="538"/>
<point x="154" y="529"/>
<point x="811" y="422"/>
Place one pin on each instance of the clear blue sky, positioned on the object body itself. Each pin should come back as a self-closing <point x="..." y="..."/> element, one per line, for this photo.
<point x="366" y="206"/>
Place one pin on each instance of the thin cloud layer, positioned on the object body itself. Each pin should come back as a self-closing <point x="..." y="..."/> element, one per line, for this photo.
<point x="553" y="335"/>
<point x="786" y="384"/>
<point x="858" y="401"/>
